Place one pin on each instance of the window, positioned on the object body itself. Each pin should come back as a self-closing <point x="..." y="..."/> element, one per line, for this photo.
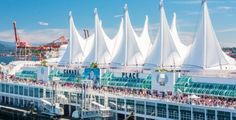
<point x="139" y="118"/>
<point x="185" y="115"/>
<point x="16" y="88"/>
<point x="140" y="107"/>
<point x="36" y="92"/>
<point x="211" y="115"/>
<point x="21" y="90"/>
<point x="26" y="91"/>
<point x="31" y="92"/>
<point x="11" y="89"/>
<point x="198" y="114"/>
<point x="48" y="93"/>
<point x="150" y="108"/>
<point x="121" y="104"/>
<point x="112" y="103"/>
<point x="173" y="112"/>
<point x="73" y="97"/>
<point x="3" y="88"/>
<point x="41" y="92"/>
<point x="101" y="100"/>
<point x="161" y="110"/>
<point x="7" y="88"/>
<point x="130" y="105"/>
<point x="16" y="102"/>
<point x="223" y="115"/>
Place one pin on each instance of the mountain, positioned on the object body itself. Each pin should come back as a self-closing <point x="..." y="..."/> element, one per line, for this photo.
<point x="7" y="46"/>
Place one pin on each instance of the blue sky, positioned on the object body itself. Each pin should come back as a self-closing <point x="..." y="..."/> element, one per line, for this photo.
<point x="45" y="20"/>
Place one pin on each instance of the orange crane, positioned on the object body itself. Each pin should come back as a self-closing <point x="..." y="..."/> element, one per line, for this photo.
<point x="24" y="49"/>
<point x="22" y="46"/>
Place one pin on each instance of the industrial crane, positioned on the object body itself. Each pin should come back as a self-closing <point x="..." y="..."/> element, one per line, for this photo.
<point x="24" y="49"/>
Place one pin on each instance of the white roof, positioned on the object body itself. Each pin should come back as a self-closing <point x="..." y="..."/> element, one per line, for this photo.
<point x="132" y="49"/>
<point x="164" y="52"/>
<point x="184" y="49"/>
<point x="103" y="47"/>
<point x="206" y="52"/>
<point x="129" y="49"/>
<point x="75" y="50"/>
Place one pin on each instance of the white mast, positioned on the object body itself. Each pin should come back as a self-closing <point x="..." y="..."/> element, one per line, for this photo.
<point x="205" y="32"/>
<point x="70" y="42"/>
<point x="161" y="32"/>
<point x="96" y="36"/>
<point x="126" y="42"/>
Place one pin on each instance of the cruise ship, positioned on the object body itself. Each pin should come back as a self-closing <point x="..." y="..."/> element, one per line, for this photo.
<point x="128" y="76"/>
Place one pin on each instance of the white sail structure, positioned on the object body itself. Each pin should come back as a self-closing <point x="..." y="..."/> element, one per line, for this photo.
<point x="102" y="47"/>
<point x="74" y="53"/>
<point x="99" y="52"/>
<point x="133" y="52"/>
<point x="164" y="52"/>
<point x="132" y="49"/>
<point x="105" y="45"/>
<point x="118" y="47"/>
<point x="182" y="48"/>
<point x="206" y="52"/>
<point x="144" y="41"/>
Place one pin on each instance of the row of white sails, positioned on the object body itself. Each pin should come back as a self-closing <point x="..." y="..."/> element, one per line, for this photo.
<point x="129" y="49"/>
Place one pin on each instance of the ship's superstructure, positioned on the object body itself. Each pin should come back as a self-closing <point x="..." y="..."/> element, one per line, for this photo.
<point x="128" y="76"/>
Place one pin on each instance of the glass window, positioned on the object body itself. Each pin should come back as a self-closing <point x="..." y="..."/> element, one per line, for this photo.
<point x="16" y="88"/>
<point x="26" y="90"/>
<point x="48" y="93"/>
<point x="130" y="105"/>
<point x="234" y="116"/>
<point x="149" y="119"/>
<point x="120" y="104"/>
<point x="150" y="109"/>
<point x="3" y="88"/>
<point x="185" y="114"/>
<point x="140" y="107"/>
<point x="16" y="102"/>
<point x="21" y="103"/>
<point x="112" y="103"/>
<point x="211" y="115"/>
<point x="198" y="114"/>
<point x="41" y="92"/>
<point x="11" y="89"/>
<point x="79" y="97"/>
<point x="7" y="88"/>
<point x="7" y="100"/>
<point x="173" y="112"/>
<point x="31" y="92"/>
<point x="101" y="100"/>
<point x="73" y="97"/>
<point x="66" y="94"/>
<point x="223" y="115"/>
<point x="161" y="110"/>
<point x="11" y="101"/>
<point x="139" y="118"/>
<point x="21" y="90"/>
<point x="36" y="92"/>
<point x="96" y="97"/>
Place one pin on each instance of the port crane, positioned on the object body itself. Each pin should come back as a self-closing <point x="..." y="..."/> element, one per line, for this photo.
<point x="25" y="51"/>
